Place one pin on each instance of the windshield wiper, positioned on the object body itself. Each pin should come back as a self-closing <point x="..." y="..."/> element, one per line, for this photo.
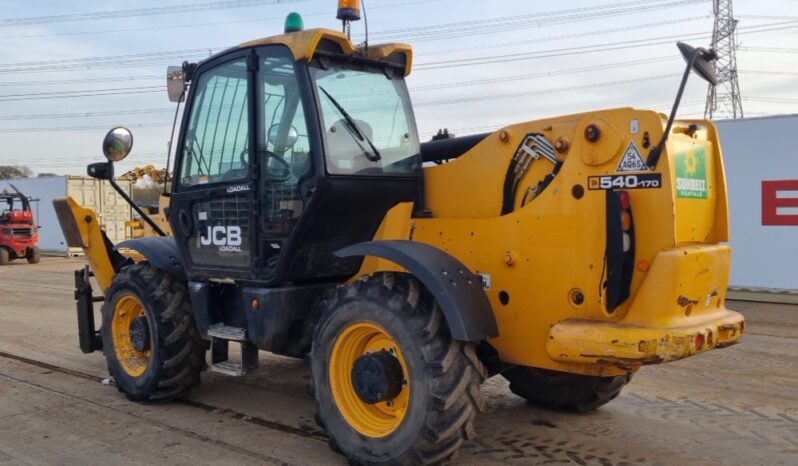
<point x="354" y="128"/>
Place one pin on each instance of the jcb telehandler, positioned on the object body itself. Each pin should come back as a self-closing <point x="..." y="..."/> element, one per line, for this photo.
<point x="308" y="220"/>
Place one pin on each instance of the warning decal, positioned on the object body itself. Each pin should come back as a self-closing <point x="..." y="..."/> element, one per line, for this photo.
<point x="632" y="161"/>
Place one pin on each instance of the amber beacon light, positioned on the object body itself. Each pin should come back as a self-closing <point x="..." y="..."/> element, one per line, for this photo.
<point x="348" y="10"/>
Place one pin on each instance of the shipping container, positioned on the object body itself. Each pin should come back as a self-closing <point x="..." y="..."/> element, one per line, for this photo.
<point x="98" y="195"/>
<point x="761" y="162"/>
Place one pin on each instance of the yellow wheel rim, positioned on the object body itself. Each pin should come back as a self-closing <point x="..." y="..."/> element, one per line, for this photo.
<point x="133" y="362"/>
<point x="371" y="420"/>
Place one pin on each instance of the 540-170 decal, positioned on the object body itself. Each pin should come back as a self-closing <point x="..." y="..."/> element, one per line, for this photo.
<point x="640" y="181"/>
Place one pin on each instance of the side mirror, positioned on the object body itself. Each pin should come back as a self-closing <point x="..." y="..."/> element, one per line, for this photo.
<point x="175" y="83"/>
<point x="701" y="60"/>
<point x="101" y="170"/>
<point x="117" y="144"/>
<point x="289" y="139"/>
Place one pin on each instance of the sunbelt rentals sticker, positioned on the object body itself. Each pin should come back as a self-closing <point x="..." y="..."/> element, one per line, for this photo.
<point x="691" y="173"/>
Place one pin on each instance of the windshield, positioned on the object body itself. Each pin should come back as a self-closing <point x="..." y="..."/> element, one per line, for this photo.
<point x="367" y="121"/>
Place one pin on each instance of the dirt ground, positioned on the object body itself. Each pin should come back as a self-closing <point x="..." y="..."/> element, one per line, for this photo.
<point x="737" y="406"/>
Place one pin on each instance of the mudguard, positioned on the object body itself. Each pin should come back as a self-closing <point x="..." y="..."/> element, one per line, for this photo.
<point x="458" y="291"/>
<point x="160" y="251"/>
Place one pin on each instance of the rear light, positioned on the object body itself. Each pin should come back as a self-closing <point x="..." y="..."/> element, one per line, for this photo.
<point x="698" y="341"/>
<point x="626" y="220"/>
<point x="620" y="249"/>
<point x="623" y="200"/>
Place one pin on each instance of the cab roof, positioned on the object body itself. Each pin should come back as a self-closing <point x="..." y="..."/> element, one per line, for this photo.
<point x="304" y="44"/>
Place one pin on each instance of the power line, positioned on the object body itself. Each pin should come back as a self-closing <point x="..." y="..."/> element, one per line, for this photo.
<point x="537" y="40"/>
<point x="543" y="91"/>
<point x="769" y="49"/>
<point x="86" y="93"/>
<point x="196" y="24"/>
<point x="82" y="128"/>
<point x="603" y="47"/>
<point x="543" y="74"/>
<point x="769" y="72"/>
<point x="138" y="12"/>
<point x="87" y="114"/>
<point x="79" y="81"/>
<point x="775" y="100"/>
<point x="533" y="20"/>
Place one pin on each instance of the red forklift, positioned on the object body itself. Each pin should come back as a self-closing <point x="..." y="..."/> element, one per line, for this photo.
<point x="19" y="235"/>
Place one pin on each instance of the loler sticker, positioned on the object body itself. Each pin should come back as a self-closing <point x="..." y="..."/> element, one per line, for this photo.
<point x="632" y="161"/>
<point x="691" y="173"/>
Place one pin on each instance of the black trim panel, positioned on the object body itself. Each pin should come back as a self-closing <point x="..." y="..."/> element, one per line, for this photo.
<point x="160" y="251"/>
<point x="456" y="289"/>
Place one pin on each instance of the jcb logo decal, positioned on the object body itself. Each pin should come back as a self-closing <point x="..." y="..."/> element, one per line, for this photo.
<point x="226" y="238"/>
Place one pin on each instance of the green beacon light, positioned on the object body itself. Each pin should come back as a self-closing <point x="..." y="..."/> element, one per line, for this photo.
<point x="293" y="22"/>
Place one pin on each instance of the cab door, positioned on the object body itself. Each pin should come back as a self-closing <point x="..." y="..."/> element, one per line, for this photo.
<point x="213" y="200"/>
<point x="283" y="158"/>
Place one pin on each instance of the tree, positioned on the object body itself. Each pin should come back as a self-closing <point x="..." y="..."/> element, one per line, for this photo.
<point x="8" y="172"/>
<point x="45" y="175"/>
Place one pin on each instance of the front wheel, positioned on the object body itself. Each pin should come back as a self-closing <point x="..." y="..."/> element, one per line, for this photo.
<point x="34" y="255"/>
<point x="564" y="391"/>
<point x="391" y="386"/>
<point x="150" y="341"/>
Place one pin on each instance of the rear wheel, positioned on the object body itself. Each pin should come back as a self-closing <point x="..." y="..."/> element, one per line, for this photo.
<point x="4" y="256"/>
<point x="391" y="386"/>
<point x="150" y="341"/>
<point x="564" y="391"/>
<point x="34" y="255"/>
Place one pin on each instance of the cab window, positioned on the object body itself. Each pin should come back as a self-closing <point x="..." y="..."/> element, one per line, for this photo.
<point x="217" y="142"/>
<point x="284" y="152"/>
<point x="367" y="121"/>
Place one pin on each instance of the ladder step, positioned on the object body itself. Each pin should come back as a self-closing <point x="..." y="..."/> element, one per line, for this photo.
<point x="228" y="368"/>
<point x="224" y="332"/>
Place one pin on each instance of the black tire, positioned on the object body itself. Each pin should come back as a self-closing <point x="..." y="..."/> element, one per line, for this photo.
<point x="34" y="255"/>
<point x="4" y="256"/>
<point x="444" y="375"/>
<point x="177" y="353"/>
<point x="564" y="391"/>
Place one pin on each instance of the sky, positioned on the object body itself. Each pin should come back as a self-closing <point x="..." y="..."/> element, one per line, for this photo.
<point x="71" y="70"/>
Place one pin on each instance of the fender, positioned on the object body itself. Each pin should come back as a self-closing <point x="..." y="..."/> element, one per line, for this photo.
<point x="160" y="251"/>
<point x="457" y="290"/>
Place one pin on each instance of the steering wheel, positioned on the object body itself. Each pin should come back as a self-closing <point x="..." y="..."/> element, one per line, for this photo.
<point x="280" y="173"/>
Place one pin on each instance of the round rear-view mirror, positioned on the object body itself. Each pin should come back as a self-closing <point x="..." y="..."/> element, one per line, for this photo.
<point x="117" y="144"/>
<point x="286" y="141"/>
<point x="701" y="60"/>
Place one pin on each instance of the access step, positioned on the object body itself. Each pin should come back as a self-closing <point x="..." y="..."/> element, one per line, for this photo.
<point x="220" y="351"/>
<point x="225" y="332"/>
